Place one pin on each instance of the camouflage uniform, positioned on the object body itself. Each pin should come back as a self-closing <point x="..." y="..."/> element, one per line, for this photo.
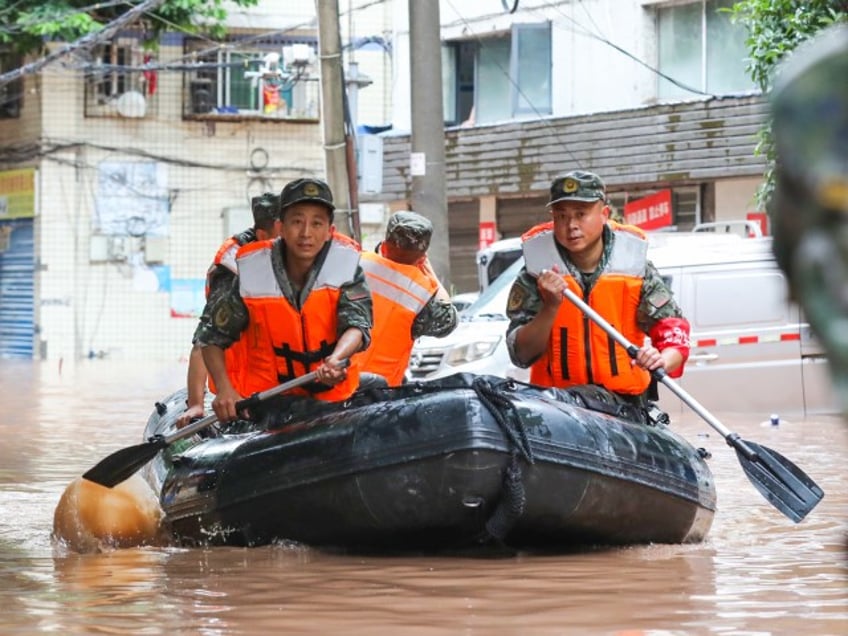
<point x="809" y="207"/>
<point x="525" y="301"/>
<point x="266" y="210"/>
<point x="411" y="231"/>
<point x="225" y="315"/>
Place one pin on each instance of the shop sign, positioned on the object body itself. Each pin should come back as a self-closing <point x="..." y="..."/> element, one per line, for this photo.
<point x="651" y="212"/>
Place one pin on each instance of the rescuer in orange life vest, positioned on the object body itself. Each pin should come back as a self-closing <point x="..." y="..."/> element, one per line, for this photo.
<point x="409" y="301"/>
<point x="606" y="265"/>
<point x="219" y="278"/>
<point x="303" y="301"/>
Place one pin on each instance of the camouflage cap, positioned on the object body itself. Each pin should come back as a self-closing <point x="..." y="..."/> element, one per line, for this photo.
<point x="265" y="207"/>
<point x="409" y="231"/>
<point x="577" y="185"/>
<point x="307" y="189"/>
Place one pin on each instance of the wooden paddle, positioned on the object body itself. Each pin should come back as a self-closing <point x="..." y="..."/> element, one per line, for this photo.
<point x="781" y="482"/>
<point x="121" y="464"/>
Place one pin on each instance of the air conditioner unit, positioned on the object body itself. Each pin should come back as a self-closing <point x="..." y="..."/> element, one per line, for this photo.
<point x="202" y="100"/>
<point x="298" y="55"/>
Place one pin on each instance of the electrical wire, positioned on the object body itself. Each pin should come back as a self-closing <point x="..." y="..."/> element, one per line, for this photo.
<point x="542" y="117"/>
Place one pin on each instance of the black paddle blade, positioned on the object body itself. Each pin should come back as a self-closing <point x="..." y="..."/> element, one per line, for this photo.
<point x="782" y="483"/>
<point x="122" y="464"/>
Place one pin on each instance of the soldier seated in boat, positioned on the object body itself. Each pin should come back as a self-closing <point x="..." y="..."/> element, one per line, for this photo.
<point x="219" y="278"/>
<point x="303" y="300"/>
<point x="606" y="265"/>
<point x="409" y="300"/>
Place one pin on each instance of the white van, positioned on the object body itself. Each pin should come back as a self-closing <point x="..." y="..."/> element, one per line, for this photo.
<point x="751" y="350"/>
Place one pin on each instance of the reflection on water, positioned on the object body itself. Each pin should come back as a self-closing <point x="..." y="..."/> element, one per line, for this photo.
<point x="756" y="573"/>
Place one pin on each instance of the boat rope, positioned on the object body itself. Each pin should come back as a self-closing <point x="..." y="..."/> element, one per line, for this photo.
<point x="511" y="505"/>
<point x="500" y="406"/>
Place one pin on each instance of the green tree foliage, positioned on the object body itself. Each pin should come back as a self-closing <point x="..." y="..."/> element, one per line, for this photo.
<point x="25" y="25"/>
<point x="775" y="28"/>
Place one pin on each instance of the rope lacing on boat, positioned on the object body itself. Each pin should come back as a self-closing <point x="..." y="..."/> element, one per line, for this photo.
<point x="505" y="413"/>
<point x="511" y="505"/>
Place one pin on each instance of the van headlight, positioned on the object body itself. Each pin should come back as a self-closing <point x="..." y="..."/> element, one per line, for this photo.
<point x="471" y="351"/>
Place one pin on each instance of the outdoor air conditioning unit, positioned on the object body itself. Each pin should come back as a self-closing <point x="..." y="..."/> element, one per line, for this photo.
<point x="202" y="100"/>
<point x="297" y="55"/>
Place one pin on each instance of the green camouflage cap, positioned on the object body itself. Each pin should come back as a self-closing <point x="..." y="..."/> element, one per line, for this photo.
<point x="577" y="185"/>
<point x="308" y="189"/>
<point x="409" y="231"/>
<point x="265" y="207"/>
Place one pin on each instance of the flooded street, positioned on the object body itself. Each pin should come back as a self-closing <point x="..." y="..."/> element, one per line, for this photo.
<point x="757" y="572"/>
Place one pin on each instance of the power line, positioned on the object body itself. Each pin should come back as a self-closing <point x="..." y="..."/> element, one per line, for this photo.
<point x="600" y="38"/>
<point x="515" y="85"/>
<point x="84" y="42"/>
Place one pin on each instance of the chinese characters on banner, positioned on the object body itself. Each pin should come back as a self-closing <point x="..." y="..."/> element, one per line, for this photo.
<point x="651" y="212"/>
<point x="486" y="234"/>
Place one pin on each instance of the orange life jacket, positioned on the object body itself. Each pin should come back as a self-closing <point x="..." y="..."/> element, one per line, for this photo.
<point x="235" y="356"/>
<point x="224" y="257"/>
<point x="580" y="352"/>
<point x="282" y="342"/>
<point x="398" y="292"/>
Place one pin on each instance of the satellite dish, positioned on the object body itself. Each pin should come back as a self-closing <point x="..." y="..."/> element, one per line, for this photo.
<point x="131" y="104"/>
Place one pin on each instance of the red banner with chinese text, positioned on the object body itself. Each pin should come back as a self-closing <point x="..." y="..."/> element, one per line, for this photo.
<point x="487" y="234"/>
<point x="651" y="212"/>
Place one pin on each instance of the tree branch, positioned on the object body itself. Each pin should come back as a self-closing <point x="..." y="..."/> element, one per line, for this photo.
<point x="84" y="42"/>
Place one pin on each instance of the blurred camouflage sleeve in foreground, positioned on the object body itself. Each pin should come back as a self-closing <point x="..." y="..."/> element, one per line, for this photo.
<point x="809" y="208"/>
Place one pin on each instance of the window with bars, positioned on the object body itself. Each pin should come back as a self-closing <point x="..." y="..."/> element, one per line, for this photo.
<point x="117" y="83"/>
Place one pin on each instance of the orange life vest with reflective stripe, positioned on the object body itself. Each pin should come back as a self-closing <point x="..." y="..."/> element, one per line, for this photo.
<point x="283" y="342"/>
<point x="235" y="356"/>
<point x="398" y="293"/>
<point x="580" y="352"/>
<point x="224" y="257"/>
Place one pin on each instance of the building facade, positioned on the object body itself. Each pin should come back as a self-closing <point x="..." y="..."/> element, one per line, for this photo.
<point x="123" y="168"/>
<point x="652" y="95"/>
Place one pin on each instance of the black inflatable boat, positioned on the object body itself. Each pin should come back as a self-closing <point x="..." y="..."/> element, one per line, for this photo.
<point x="452" y="464"/>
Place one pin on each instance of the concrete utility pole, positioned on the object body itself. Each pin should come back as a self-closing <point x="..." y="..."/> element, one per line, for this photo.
<point x="332" y="112"/>
<point x="427" y="161"/>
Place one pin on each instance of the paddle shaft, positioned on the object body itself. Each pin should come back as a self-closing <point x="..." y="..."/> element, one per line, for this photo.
<point x="660" y="375"/>
<point x="782" y="483"/>
<point x="209" y="420"/>
<point x="121" y="464"/>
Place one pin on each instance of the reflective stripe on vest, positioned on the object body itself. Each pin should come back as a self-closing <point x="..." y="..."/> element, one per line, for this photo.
<point x="398" y="293"/>
<point x="235" y="356"/>
<point x="282" y="341"/>
<point x="405" y="285"/>
<point x="579" y="351"/>
<point x="540" y="251"/>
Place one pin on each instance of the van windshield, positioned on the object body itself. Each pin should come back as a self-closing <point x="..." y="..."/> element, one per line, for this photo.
<point x="491" y="305"/>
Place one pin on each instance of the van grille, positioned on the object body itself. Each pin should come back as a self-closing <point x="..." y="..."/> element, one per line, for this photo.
<point x="423" y="363"/>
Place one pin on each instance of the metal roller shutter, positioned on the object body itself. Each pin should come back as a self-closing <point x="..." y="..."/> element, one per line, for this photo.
<point x="464" y="238"/>
<point x="17" y="271"/>
<point x="516" y="216"/>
